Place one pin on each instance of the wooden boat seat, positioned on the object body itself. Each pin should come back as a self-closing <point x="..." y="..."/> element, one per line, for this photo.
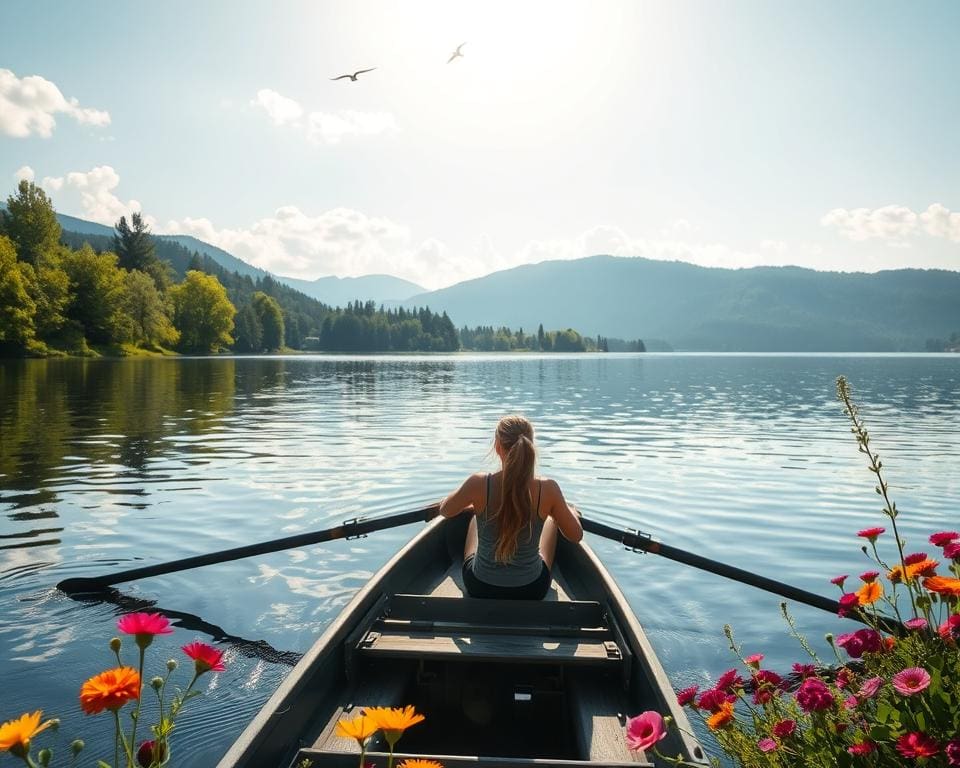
<point x="326" y="759"/>
<point x="562" y="632"/>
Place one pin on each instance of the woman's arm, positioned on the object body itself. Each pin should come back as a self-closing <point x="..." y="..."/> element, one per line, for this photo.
<point x="566" y="516"/>
<point x="467" y="495"/>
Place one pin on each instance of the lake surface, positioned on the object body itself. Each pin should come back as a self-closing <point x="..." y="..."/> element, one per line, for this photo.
<point x="108" y="464"/>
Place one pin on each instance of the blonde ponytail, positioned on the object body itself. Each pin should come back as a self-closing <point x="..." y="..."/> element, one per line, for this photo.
<point x="515" y="434"/>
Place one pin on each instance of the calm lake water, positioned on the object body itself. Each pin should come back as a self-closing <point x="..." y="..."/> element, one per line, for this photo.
<point x="746" y="459"/>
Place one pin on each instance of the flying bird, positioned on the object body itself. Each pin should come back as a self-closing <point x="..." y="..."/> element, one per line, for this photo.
<point x="354" y="75"/>
<point x="456" y="53"/>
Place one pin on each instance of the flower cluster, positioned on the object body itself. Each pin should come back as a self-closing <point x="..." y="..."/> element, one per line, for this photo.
<point x="891" y="698"/>
<point x="112" y="689"/>
<point x="392" y="721"/>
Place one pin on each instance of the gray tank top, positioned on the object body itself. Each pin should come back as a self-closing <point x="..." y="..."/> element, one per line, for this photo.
<point x="525" y="566"/>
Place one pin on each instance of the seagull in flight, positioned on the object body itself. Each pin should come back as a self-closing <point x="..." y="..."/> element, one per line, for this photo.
<point x="456" y="53"/>
<point x="353" y="77"/>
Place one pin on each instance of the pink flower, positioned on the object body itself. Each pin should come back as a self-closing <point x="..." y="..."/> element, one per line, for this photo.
<point x="838" y="580"/>
<point x="645" y="730"/>
<point x="869" y="576"/>
<point x="728" y="681"/>
<point x="870" y="687"/>
<point x="804" y="670"/>
<point x="917" y="744"/>
<point x="848" y="602"/>
<point x="861" y="748"/>
<point x="754" y="660"/>
<point x="144" y="624"/>
<point x="911" y="681"/>
<point x="205" y="657"/>
<point x="785" y="729"/>
<point x="814" y="695"/>
<point x="687" y="695"/>
<point x="952" y="750"/>
<point x="850" y="702"/>
<point x="714" y="699"/>
<point x="860" y="642"/>
<point x="765" y="685"/>
<point x="843" y="678"/>
<point x="767" y="745"/>
<point x="950" y="629"/>
<point x="952" y="550"/>
<point x="916" y="624"/>
<point x="914" y="558"/>
<point x="943" y="537"/>
<point x="870" y="533"/>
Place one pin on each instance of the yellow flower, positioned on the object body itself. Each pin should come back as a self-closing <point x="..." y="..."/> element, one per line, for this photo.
<point x="15" y="735"/>
<point x="360" y="728"/>
<point x="869" y="593"/>
<point x="418" y="763"/>
<point x="393" y="721"/>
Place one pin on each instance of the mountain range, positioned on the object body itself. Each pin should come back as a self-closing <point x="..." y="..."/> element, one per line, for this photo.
<point x="787" y="309"/>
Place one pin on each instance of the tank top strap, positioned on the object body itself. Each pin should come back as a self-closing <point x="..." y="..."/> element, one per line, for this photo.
<point x="486" y="504"/>
<point x="539" y="495"/>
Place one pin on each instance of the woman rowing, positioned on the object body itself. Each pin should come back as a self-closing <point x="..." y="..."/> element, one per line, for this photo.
<point x="512" y="537"/>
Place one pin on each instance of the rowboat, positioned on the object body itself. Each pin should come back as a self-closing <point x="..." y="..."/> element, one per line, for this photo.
<point x="502" y="683"/>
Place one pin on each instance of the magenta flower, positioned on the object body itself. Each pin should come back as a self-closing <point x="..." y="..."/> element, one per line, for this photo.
<point x="950" y="629"/>
<point x="860" y="642"/>
<point x="804" y="670"/>
<point x="943" y="537"/>
<point x="645" y="730"/>
<point x="714" y="699"/>
<point x="754" y="660"/>
<point x="917" y="744"/>
<point x="728" y="681"/>
<point x="952" y="550"/>
<point x="838" y="580"/>
<point x="814" y="695"/>
<point x="767" y="745"/>
<point x="869" y="576"/>
<point x="850" y="702"/>
<point x="765" y="685"/>
<point x="144" y="624"/>
<point x="870" y="687"/>
<point x="687" y="695"/>
<point x="952" y="750"/>
<point x="870" y="533"/>
<point x="914" y="558"/>
<point x="911" y="681"/>
<point x="916" y="624"/>
<point x="848" y="602"/>
<point x="843" y="678"/>
<point x="785" y="729"/>
<point x="205" y="657"/>
<point x="861" y="748"/>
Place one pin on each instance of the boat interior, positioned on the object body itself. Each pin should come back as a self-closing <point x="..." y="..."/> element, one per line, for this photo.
<point x="500" y="682"/>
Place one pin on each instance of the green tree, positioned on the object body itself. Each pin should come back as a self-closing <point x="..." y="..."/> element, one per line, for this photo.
<point x="271" y="320"/>
<point x="17" y="309"/>
<point x="202" y="313"/>
<point x="134" y="243"/>
<point x="248" y="332"/>
<point x="96" y="305"/>
<point x="30" y="222"/>
<point x="49" y="287"/>
<point x="150" y="323"/>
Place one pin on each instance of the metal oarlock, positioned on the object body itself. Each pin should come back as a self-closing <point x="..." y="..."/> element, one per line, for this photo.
<point x="647" y="537"/>
<point x="352" y="523"/>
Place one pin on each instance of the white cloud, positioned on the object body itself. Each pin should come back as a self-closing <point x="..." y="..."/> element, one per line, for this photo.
<point x="776" y="246"/>
<point x="24" y="174"/>
<point x="28" y="106"/>
<point x="322" y="127"/>
<point x="894" y="223"/>
<point x="91" y="195"/>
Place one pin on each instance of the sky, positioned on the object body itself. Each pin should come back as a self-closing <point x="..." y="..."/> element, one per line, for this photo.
<point x="727" y="133"/>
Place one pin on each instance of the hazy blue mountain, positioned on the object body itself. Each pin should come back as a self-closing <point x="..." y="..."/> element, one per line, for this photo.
<point x="335" y="291"/>
<point x="700" y="308"/>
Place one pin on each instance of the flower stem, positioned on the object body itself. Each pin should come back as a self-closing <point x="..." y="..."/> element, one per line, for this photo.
<point x="136" y="713"/>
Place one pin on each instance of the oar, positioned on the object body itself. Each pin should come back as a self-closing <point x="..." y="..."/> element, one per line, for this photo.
<point x="348" y="530"/>
<point x="645" y="542"/>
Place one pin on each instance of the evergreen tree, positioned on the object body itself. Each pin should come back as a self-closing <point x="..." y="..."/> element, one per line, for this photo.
<point x="540" y="337"/>
<point x="202" y="313"/>
<point x="247" y="330"/>
<point x="133" y="244"/>
<point x="31" y="223"/>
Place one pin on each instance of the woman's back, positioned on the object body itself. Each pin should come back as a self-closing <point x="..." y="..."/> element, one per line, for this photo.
<point x="525" y="564"/>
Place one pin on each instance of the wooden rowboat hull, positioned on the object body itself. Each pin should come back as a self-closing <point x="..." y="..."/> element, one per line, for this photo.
<point x="501" y="682"/>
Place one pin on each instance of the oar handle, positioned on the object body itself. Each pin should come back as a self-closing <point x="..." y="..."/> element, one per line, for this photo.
<point x="347" y="530"/>
<point x="644" y="542"/>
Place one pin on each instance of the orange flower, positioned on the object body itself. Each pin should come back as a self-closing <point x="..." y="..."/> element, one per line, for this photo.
<point x="110" y="690"/>
<point x="393" y="721"/>
<point x="722" y="716"/>
<point x="15" y="735"/>
<point x="869" y="593"/>
<point x="943" y="585"/>
<point x="419" y="763"/>
<point x="923" y="568"/>
<point x="361" y="728"/>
